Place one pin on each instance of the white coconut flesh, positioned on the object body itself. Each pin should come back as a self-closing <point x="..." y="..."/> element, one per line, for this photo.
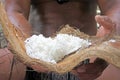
<point x="53" y="49"/>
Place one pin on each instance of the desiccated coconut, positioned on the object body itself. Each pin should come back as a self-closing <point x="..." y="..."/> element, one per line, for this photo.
<point x="53" y="49"/>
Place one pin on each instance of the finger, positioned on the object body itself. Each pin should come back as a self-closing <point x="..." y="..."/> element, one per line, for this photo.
<point x="116" y="44"/>
<point x="39" y="68"/>
<point x="105" y="21"/>
<point x="107" y="26"/>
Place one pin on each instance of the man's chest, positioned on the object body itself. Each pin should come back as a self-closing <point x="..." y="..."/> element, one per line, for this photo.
<point x="59" y="1"/>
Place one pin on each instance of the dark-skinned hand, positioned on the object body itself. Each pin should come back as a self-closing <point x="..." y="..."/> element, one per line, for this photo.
<point x="91" y="71"/>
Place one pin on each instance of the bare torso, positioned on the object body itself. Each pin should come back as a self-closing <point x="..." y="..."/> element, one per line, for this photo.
<point x="78" y="13"/>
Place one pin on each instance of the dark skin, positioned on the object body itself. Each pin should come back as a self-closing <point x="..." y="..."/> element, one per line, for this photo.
<point x="76" y="13"/>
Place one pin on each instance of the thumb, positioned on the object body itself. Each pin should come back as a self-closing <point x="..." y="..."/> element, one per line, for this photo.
<point x="106" y="25"/>
<point x="105" y="21"/>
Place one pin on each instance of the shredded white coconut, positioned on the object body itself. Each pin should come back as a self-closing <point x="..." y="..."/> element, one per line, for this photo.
<point x="53" y="49"/>
<point x="112" y="40"/>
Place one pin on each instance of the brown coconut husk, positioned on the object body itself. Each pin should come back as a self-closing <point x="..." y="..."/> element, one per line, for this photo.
<point x="100" y="47"/>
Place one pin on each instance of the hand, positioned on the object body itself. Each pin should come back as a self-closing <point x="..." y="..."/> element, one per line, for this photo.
<point x="90" y="71"/>
<point x="106" y="25"/>
<point x="93" y="70"/>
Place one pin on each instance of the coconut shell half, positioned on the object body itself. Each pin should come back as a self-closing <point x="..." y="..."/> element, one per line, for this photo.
<point x="101" y="47"/>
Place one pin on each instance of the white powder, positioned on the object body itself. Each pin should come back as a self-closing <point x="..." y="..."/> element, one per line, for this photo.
<point x="53" y="49"/>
